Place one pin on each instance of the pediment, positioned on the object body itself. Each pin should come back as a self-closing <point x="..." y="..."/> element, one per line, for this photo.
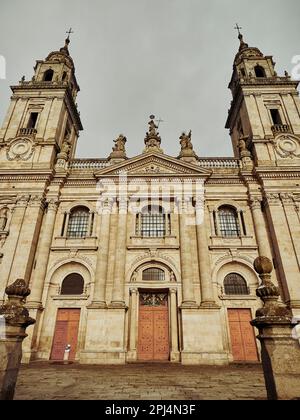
<point x="154" y="164"/>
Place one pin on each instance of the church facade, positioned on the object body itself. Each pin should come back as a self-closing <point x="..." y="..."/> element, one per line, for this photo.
<point x="149" y="258"/>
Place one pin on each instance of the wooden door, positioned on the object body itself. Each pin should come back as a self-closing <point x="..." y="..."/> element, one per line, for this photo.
<point x="243" y="342"/>
<point x="66" y="332"/>
<point x="153" y="333"/>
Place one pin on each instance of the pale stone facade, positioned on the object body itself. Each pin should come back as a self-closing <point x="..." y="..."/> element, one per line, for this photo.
<point x="42" y="182"/>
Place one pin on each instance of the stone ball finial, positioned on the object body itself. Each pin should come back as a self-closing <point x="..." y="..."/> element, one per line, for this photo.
<point x="18" y="288"/>
<point x="263" y="265"/>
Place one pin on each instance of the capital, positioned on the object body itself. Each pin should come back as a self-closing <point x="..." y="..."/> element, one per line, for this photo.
<point x="255" y="203"/>
<point x="52" y="204"/>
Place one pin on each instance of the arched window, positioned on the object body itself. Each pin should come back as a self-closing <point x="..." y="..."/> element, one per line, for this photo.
<point x="229" y="223"/>
<point x="235" y="284"/>
<point x="153" y="274"/>
<point x="73" y="284"/>
<point x="78" y="226"/>
<point x="259" y="71"/>
<point x="48" y="75"/>
<point x="153" y="222"/>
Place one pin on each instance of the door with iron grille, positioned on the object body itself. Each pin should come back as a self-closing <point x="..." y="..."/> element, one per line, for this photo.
<point x="153" y="329"/>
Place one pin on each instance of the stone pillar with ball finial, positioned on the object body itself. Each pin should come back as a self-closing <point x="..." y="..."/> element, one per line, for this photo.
<point x="14" y="319"/>
<point x="280" y="348"/>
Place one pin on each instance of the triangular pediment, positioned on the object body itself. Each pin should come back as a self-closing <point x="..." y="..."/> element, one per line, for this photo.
<point x="154" y="164"/>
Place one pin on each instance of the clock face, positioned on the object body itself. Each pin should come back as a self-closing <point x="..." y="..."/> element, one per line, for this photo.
<point x="20" y="149"/>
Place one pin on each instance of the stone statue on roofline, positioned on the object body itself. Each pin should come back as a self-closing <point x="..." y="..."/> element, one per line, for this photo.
<point x="187" y="151"/>
<point x="118" y="151"/>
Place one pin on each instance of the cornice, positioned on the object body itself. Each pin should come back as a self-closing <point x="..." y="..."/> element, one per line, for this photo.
<point x="24" y="178"/>
<point x="277" y="173"/>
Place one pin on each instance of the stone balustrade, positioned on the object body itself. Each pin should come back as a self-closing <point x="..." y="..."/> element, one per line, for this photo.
<point x="88" y="164"/>
<point x="27" y="131"/>
<point x="280" y="128"/>
<point x="231" y="163"/>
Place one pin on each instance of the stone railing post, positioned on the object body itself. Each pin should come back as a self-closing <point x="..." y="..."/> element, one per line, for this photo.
<point x="14" y="319"/>
<point x="280" y="349"/>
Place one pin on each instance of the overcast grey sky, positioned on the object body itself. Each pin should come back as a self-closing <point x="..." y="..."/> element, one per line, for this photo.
<point x="170" y="58"/>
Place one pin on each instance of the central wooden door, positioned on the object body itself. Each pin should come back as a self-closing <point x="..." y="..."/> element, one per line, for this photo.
<point x="243" y="342"/>
<point x="153" y="332"/>
<point x="66" y="332"/>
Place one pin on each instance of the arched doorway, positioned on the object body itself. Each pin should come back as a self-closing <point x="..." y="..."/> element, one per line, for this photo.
<point x="67" y="319"/>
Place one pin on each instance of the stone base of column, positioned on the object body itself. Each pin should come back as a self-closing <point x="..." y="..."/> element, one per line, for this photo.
<point x="202" y="337"/>
<point x="209" y="305"/>
<point x="97" y="305"/>
<point x="190" y="358"/>
<point x="189" y="305"/>
<point x="175" y="356"/>
<point x="34" y="305"/>
<point x="30" y="342"/>
<point x="117" y="305"/>
<point x="280" y="354"/>
<point x="293" y="304"/>
<point x="131" y="356"/>
<point x="104" y="357"/>
<point x="105" y="337"/>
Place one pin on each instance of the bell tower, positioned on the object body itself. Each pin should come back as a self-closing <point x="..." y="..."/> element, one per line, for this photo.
<point x="42" y="119"/>
<point x="265" y="110"/>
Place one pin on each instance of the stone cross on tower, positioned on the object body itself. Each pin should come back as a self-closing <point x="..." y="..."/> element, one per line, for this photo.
<point x="237" y="27"/>
<point x="69" y="32"/>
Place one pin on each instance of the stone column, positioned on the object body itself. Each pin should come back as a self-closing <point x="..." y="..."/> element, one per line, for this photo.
<point x="12" y="333"/>
<point x="175" y="355"/>
<point x="119" y="274"/>
<point x="284" y="251"/>
<point x="290" y="210"/>
<point x="188" y="296"/>
<point x="132" y="353"/>
<point x="42" y="255"/>
<point x="99" y="300"/>
<point x="260" y="227"/>
<point x="280" y="352"/>
<point x="206" y="286"/>
<point x="26" y="248"/>
<point x="9" y="250"/>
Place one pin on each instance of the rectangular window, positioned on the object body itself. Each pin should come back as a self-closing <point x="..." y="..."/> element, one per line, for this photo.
<point x="153" y="225"/>
<point x="275" y="114"/>
<point x="32" y="119"/>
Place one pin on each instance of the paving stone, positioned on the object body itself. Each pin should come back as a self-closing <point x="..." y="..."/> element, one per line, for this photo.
<point x="139" y="381"/>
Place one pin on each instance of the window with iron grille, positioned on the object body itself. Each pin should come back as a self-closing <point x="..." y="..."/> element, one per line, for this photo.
<point x="153" y="222"/>
<point x="235" y="284"/>
<point x="153" y="274"/>
<point x="78" y="223"/>
<point x="229" y="223"/>
<point x="73" y="284"/>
